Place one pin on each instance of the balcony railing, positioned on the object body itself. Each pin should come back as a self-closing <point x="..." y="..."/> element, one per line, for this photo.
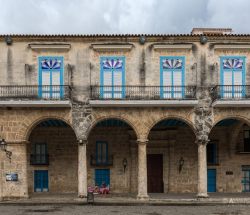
<point x="143" y="92"/>
<point x="231" y="92"/>
<point x="35" y="92"/>
<point x="39" y="159"/>
<point x="108" y="161"/>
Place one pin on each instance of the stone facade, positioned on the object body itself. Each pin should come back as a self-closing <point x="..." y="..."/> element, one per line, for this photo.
<point x="183" y="147"/>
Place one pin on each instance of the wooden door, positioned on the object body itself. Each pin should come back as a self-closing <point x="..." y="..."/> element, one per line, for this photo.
<point x="155" y="173"/>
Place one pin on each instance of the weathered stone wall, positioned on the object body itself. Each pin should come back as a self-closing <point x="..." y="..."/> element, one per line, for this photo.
<point x="17" y="123"/>
<point x="173" y="146"/>
<point x="63" y="161"/>
<point x="229" y="140"/>
<point x="18" y="165"/>
<point x="120" y="140"/>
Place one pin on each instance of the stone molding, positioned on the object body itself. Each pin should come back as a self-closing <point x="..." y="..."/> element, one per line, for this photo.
<point x="142" y="141"/>
<point x="111" y="47"/>
<point x="82" y="142"/>
<point x="231" y="46"/>
<point x="172" y="46"/>
<point x="50" y="46"/>
<point x="18" y="142"/>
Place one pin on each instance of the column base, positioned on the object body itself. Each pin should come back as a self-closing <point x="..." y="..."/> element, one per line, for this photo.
<point x="202" y="195"/>
<point x="143" y="197"/>
<point x="82" y="196"/>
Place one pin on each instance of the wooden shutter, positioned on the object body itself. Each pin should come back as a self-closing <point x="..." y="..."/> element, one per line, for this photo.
<point x="177" y="84"/>
<point x="227" y="88"/>
<point x="107" y="82"/>
<point x="238" y="84"/>
<point x="55" y="87"/>
<point x="167" y="83"/>
<point x="46" y="84"/>
<point x="117" y="82"/>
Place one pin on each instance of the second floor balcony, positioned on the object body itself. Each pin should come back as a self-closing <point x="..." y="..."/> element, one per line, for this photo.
<point x="231" y="95"/>
<point x="35" y="95"/>
<point x="143" y="95"/>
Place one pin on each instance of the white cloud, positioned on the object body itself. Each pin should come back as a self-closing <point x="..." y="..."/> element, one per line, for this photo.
<point x="121" y="16"/>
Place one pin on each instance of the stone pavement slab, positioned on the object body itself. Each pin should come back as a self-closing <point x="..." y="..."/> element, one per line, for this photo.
<point x="129" y="199"/>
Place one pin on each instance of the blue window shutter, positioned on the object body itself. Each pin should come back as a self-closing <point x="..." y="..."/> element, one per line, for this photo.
<point x="172" y="77"/>
<point x="167" y="84"/>
<point x="101" y="152"/>
<point x="51" y="71"/>
<point x="232" y="74"/>
<point x="107" y="84"/>
<point x="112" y="77"/>
<point x="177" y="84"/>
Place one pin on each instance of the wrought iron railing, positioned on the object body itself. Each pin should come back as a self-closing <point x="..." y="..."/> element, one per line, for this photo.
<point x="39" y="159"/>
<point x="35" y="92"/>
<point x="142" y="92"/>
<point x="231" y="92"/>
<point x="94" y="161"/>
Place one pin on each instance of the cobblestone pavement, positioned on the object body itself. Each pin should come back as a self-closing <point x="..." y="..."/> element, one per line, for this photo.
<point x="126" y="210"/>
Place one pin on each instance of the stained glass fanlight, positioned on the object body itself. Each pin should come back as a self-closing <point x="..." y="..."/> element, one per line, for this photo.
<point x="232" y="63"/>
<point x="172" y="63"/>
<point x="112" y="63"/>
<point x="51" y="64"/>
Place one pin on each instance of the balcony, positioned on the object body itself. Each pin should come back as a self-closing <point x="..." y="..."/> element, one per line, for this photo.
<point x="101" y="163"/>
<point x="142" y="96"/>
<point x="35" y="96"/>
<point x="231" y="95"/>
<point x="39" y="159"/>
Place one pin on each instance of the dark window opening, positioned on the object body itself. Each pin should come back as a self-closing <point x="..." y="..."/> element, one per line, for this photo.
<point x="212" y="153"/>
<point x="246" y="140"/>
<point x="39" y="154"/>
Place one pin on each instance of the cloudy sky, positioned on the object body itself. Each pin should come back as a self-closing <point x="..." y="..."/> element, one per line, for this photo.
<point x="121" y="16"/>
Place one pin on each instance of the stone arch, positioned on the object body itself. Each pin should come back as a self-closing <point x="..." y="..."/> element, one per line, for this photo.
<point x="102" y="118"/>
<point x="237" y="117"/>
<point x="233" y="134"/>
<point x="29" y="128"/>
<point x="187" y="121"/>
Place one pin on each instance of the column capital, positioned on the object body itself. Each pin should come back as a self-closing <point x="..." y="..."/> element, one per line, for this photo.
<point x="142" y="141"/>
<point x="202" y="139"/>
<point x="82" y="141"/>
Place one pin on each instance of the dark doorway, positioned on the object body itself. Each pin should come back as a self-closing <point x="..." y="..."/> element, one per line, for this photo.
<point x="155" y="173"/>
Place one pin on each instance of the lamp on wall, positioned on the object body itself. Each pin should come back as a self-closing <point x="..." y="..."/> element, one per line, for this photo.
<point x="3" y="146"/>
<point x="125" y="163"/>
<point x="181" y="163"/>
<point x="142" y="39"/>
<point x="203" y="39"/>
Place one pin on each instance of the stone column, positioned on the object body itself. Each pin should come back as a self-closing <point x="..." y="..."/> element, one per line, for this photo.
<point x="1" y="175"/>
<point x="25" y="170"/>
<point x="202" y="169"/>
<point x="82" y="169"/>
<point x="142" y="170"/>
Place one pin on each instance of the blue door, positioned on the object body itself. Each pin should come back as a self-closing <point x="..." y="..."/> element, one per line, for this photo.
<point x="41" y="181"/>
<point x="102" y="176"/>
<point x="211" y="180"/>
<point x="246" y="179"/>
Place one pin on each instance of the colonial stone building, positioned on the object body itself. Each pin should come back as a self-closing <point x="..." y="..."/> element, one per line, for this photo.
<point x="139" y="113"/>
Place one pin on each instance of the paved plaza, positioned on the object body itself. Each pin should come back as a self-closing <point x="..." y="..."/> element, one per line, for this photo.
<point x="109" y="210"/>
